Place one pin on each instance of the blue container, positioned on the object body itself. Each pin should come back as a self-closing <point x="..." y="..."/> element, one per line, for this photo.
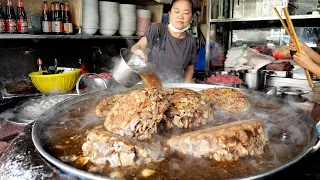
<point x="201" y="62"/>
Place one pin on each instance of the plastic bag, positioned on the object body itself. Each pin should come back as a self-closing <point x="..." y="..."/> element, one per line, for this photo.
<point x="201" y="62"/>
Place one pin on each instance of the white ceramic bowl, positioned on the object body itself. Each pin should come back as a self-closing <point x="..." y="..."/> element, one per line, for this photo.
<point x="126" y="32"/>
<point x="143" y="13"/>
<point x="108" y="32"/>
<point x="89" y="31"/>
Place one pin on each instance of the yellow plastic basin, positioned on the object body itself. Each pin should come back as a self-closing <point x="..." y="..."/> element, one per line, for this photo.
<point x="55" y="83"/>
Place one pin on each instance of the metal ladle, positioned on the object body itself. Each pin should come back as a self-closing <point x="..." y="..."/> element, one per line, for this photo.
<point x="4" y="95"/>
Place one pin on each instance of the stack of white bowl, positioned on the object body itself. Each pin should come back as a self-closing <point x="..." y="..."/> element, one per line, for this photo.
<point x="109" y="17"/>
<point x="143" y="21"/>
<point x="90" y="17"/>
<point x="128" y="19"/>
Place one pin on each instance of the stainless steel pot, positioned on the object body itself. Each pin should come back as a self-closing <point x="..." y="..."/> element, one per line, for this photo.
<point x="253" y="79"/>
<point x="122" y="72"/>
<point x="287" y="126"/>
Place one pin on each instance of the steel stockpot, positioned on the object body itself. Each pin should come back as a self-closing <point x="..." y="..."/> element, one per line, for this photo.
<point x="253" y="79"/>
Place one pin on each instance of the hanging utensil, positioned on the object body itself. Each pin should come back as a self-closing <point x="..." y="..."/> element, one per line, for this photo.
<point x="55" y="65"/>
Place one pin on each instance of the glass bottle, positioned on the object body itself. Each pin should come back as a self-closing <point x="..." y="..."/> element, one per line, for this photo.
<point x="11" y="22"/>
<point x="2" y="20"/>
<point x="22" y="21"/>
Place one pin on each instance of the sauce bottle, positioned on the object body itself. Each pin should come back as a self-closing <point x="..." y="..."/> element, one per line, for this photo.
<point x="45" y="20"/>
<point x="2" y="20"/>
<point x="22" y="21"/>
<point x="67" y="24"/>
<point x="57" y="21"/>
<point x="11" y="22"/>
<point x="52" y="16"/>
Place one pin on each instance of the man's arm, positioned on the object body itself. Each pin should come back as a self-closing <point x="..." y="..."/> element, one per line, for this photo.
<point x="188" y="74"/>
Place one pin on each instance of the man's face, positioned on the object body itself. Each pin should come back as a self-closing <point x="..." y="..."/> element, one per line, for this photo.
<point x="180" y="14"/>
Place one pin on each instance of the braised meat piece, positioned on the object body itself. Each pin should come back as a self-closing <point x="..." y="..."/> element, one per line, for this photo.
<point x="187" y="108"/>
<point x="229" y="141"/>
<point x="105" y="105"/>
<point x="105" y="148"/>
<point x="227" y="99"/>
<point x="137" y="114"/>
<point x="283" y="66"/>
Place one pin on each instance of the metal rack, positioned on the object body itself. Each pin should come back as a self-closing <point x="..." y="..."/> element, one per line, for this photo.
<point x="77" y="36"/>
<point x="248" y="23"/>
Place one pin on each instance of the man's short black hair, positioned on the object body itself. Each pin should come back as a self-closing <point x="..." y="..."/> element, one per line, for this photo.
<point x="173" y="1"/>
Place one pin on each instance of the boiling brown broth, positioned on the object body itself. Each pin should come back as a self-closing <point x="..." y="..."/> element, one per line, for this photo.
<point x="150" y="80"/>
<point x="68" y="133"/>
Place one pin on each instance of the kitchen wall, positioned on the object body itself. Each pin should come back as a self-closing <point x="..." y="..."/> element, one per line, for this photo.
<point x="19" y="57"/>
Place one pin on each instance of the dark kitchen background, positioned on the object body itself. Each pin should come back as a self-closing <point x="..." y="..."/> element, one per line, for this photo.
<point x="19" y="57"/>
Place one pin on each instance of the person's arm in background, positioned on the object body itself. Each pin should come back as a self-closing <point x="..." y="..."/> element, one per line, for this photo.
<point x="308" y="51"/>
<point x="140" y="48"/>
<point x="312" y="54"/>
<point x="305" y="61"/>
<point x="188" y="74"/>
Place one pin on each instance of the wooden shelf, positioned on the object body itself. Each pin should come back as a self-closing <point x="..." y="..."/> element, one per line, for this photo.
<point x="83" y="36"/>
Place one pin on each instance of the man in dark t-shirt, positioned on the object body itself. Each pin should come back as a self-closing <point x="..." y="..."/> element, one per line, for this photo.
<point x="172" y="51"/>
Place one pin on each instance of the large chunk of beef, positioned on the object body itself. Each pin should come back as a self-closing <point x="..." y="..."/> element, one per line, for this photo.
<point x="106" y="105"/>
<point x="225" y="142"/>
<point x="137" y="114"/>
<point x="227" y="99"/>
<point x="187" y="108"/>
<point x="105" y="148"/>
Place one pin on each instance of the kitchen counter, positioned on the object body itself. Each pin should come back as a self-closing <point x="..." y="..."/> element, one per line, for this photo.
<point x="22" y="161"/>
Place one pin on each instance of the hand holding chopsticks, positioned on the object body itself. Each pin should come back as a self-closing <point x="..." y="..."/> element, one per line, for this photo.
<point x="292" y="33"/>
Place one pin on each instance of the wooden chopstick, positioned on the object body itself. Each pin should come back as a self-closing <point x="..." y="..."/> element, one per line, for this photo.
<point x="282" y="22"/>
<point x="292" y="33"/>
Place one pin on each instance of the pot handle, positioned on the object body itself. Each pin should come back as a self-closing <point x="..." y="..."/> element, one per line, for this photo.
<point x="305" y="92"/>
<point x="86" y="74"/>
<point x="317" y="146"/>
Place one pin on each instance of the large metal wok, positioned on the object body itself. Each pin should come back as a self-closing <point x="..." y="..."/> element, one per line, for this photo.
<point x="291" y="131"/>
